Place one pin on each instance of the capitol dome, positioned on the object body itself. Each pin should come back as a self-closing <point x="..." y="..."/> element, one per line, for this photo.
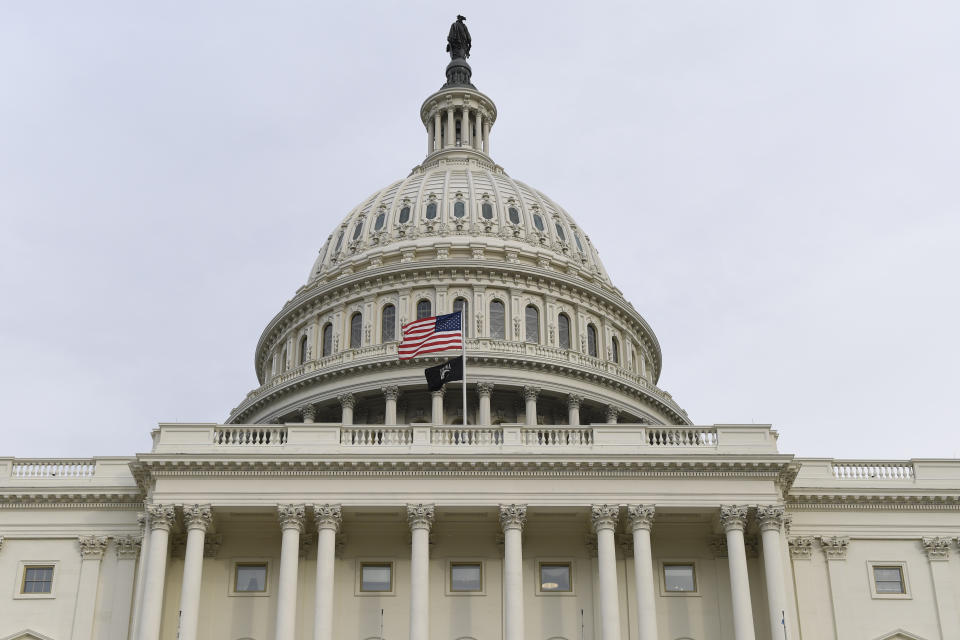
<point x="550" y="339"/>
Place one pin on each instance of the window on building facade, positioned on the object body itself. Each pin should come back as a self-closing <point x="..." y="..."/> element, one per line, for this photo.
<point x="376" y="576"/>
<point x="576" y="236"/>
<point x="431" y="211"/>
<point x="37" y="579"/>
<point x="423" y="309"/>
<point x="560" y="233"/>
<point x="538" y="222"/>
<point x="357" y="230"/>
<point x="356" y="330"/>
<point x="459" y="209"/>
<point x="487" y="211"/>
<point x="283" y="360"/>
<point x="388" y="324"/>
<point x="327" y="341"/>
<point x="615" y="349"/>
<point x="514" y="215"/>
<point x="381" y="219"/>
<point x="460" y="304"/>
<point x="591" y="340"/>
<point x="339" y="242"/>
<point x="532" y="322"/>
<point x="498" y="320"/>
<point x="555" y="577"/>
<point x="888" y="580"/>
<point x="563" y="331"/>
<point x="404" y="215"/>
<point x="303" y="350"/>
<point x="250" y="577"/>
<point x="679" y="578"/>
<point x="466" y="576"/>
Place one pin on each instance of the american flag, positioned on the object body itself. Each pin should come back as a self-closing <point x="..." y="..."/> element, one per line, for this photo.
<point x="429" y="335"/>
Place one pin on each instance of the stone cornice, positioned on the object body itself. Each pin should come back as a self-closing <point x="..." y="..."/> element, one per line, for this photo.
<point x="892" y="500"/>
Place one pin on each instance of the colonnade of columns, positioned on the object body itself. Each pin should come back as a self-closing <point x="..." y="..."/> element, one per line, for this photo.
<point x="328" y="517"/>
<point x="474" y="129"/>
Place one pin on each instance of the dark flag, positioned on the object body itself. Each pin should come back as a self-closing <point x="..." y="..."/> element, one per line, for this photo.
<point x="449" y="371"/>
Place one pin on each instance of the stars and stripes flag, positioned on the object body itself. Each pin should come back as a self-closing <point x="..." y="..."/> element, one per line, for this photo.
<point x="430" y="335"/>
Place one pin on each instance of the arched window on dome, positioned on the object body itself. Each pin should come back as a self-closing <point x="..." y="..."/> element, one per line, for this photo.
<point x="576" y="236"/>
<point x="283" y="360"/>
<point x="388" y="324"/>
<point x="591" y="340"/>
<point x="404" y="215"/>
<point x="303" y="350"/>
<point x="633" y="360"/>
<point x="560" y="233"/>
<point x="339" y="242"/>
<point x="615" y="349"/>
<point x="498" y="320"/>
<point x="380" y="221"/>
<point x="538" y="222"/>
<point x="431" y="211"/>
<point x="563" y="331"/>
<point x="356" y="330"/>
<point x="357" y="230"/>
<point x="326" y="344"/>
<point x="514" y="215"/>
<point x="460" y="304"/>
<point x="531" y="318"/>
<point x="424" y="309"/>
<point x="459" y="209"/>
<point x="487" y="211"/>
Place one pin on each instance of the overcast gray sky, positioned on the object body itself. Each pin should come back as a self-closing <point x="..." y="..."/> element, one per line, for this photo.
<point x="773" y="185"/>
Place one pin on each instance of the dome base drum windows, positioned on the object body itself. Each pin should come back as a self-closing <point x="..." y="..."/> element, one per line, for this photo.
<point x="356" y="331"/>
<point x="460" y="304"/>
<point x="498" y="320"/>
<point x="424" y="309"/>
<point x="388" y="324"/>
<point x="532" y="324"/>
<point x="591" y="340"/>
<point x="327" y="340"/>
<point x="563" y="331"/>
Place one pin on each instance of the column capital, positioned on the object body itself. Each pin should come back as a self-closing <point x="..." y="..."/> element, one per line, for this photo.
<point x="835" y="547"/>
<point x="771" y="517"/>
<point x="328" y="516"/>
<point x="420" y="516"/>
<point x="801" y="547"/>
<point x="92" y="547"/>
<point x="640" y="516"/>
<point x="513" y="516"/>
<point x="197" y="516"/>
<point x="162" y="516"/>
<point x="937" y="547"/>
<point x="484" y="388"/>
<point x="347" y="400"/>
<point x="733" y="517"/>
<point x="439" y="392"/>
<point x="612" y="413"/>
<point x="604" y="516"/>
<point x="390" y="392"/>
<point x="127" y="547"/>
<point x="291" y="516"/>
<point x="574" y="401"/>
<point x="308" y="413"/>
<point x="530" y="392"/>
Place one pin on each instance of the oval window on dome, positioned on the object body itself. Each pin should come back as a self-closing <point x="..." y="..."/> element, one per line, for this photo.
<point x="339" y="242"/>
<point x="378" y="223"/>
<point x="357" y="230"/>
<point x="431" y="211"/>
<point x="538" y="222"/>
<point x="576" y="236"/>
<point x="487" y="211"/>
<point x="459" y="209"/>
<point x="514" y="215"/>
<point x="560" y="233"/>
<point x="405" y="215"/>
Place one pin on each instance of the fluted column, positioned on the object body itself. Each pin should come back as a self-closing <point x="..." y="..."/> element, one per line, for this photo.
<point x="437" y="131"/>
<point x="329" y="518"/>
<point x="478" y="141"/>
<point x="530" y="395"/>
<point x="347" y="402"/>
<point x="641" y="517"/>
<point x="484" y="389"/>
<point x="143" y="519"/>
<point x="390" y="395"/>
<point x="604" y="517"/>
<point x="573" y="409"/>
<point x="436" y="413"/>
<point x="291" y="523"/>
<point x="308" y="413"/>
<point x="734" y="521"/>
<point x="162" y="518"/>
<point x="451" y="129"/>
<point x="512" y="519"/>
<point x="91" y="553"/>
<point x="770" y="519"/>
<point x="127" y="548"/>
<point x="420" y="518"/>
<point x="196" y="518"/>
<point x="612" y="414"/>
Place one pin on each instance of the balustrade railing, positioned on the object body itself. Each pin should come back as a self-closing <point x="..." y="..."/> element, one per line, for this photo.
<point x="681" y="437"/>
<point x="374" y="436"/>
<point x="249" y="436"/>
<point x="557" y="436"/>
<point x="467" y="436"/>
<point x="35" y="469"/>
<point x="872" y="470"/>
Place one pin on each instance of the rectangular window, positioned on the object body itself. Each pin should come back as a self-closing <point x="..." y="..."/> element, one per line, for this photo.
<point x="679" y="578"/>
<point x="555" y="577"/>
<point x="888" y="580"/>
<point x="37" y="579"/>
<point x="250" y="578"/>
<point x="376" y="577"/>
<point x="466" y="576"/>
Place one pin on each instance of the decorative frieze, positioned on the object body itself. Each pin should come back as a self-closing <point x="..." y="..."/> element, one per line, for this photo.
<point x="513" y="516"/>
<point x="604" y="516"/>
<point x="197" y="516"/>
<point x="291" y="516"/>
<point x="92" y="547"/>
<point x="770" y="517"/>
<point x="835" y="547"/>
<point x="733" y="517"/>
<point x="127" y="547"/>
<point x="420" y="516"/>
<point x="937" y="547"/>
<point x="801" y="547"/>
<point x="640" y="516"/>
<point x="162" y="516"/>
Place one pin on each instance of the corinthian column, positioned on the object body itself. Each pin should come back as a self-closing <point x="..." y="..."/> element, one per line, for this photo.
<point x="530" y="395"/>
<point x="420" y="518"/>
<point x="573" y="409"/>
<point x="436" y="409"/>
<point x="734" y="521"/>
<point x="512" y="519"/>
<point x="390" y="395"/>
<point x="197" y="519"/>
<point x="484" y="389"/>
<point x="329" y="518"/>
<point x="91" y="553"/>
<point x="347" y="401"/>
<point x="162" y="518"/>
<point x="771" y="522"/>
<point x="604" y="519"/>
<point x="640" y="517"/>
<point x="291" y="522"/>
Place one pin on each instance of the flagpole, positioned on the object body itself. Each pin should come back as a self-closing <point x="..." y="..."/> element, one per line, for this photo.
<point x="463" y="348"/>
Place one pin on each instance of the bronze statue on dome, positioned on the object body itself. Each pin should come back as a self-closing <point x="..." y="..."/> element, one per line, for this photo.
<point x="458" y="41"/>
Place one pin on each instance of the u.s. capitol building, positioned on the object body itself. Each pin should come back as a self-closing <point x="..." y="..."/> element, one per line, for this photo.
<point x="341" y="499"/>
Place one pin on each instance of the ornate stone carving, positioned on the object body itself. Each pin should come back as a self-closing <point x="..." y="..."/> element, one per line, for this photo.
<point x="390" y="392"/>
<point x="308" y="413"/>
<point x="574" y="401"/>
<point x="291" y="516"/>
<point x="801" y="547"/>
<point x="835" y="547"/>
<point x="513" y="516"/>
<point x="530" y="392"/>
<point x="937" y="547"/>
<point x="92" y="547"/>
<point x="197" y="516"/>
<point x="162" y="516"/>
<point x="127" y="547"/>
<point x="733" y="517"/>
<point x="604" y="516"/>
<point x="484" y="388"/>
<point x="612" y="413"/>
<point x="640" y="516"/>
<point x="142" y="520"/>
<point x="420" y="516"/>
<point x="347" y="400"/>
<point x="211" y="545"/>
<point x="770" y="517"/>
<point x="328" y="516"/>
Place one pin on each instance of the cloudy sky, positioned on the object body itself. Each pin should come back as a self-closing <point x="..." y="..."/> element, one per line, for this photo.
<point x="773" y="185"/>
